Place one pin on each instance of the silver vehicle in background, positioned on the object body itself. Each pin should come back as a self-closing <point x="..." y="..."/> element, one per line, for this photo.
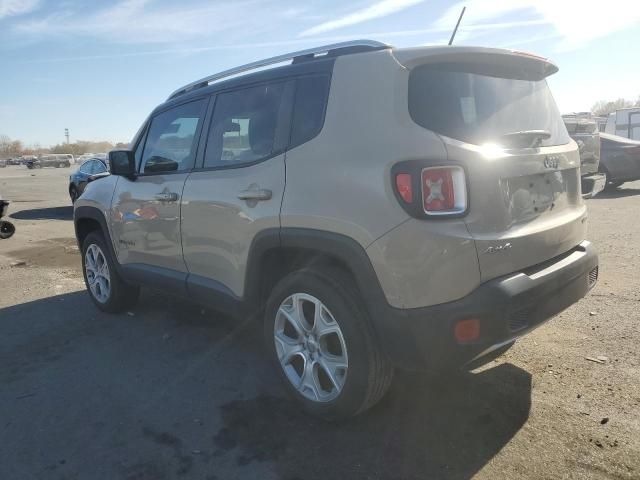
<point x="57" y="160"/>
<point x="583" y="128"/>
<point x="620" y="160"/>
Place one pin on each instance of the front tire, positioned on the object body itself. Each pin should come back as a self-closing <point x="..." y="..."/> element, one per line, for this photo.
<point x="108" y="291"/>
<point x="320" y="339"/>
<point x="73" y="193"/>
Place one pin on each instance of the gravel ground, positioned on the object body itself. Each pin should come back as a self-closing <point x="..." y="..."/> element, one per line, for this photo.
<point x="170" y="390"/>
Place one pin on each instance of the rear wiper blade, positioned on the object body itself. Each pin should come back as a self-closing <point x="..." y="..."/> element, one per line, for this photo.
<point x="526" y="138"/>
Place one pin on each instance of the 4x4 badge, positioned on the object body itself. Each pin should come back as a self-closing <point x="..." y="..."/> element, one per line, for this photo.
<point x="498" y="248"/>
<point x="551" y="161"/>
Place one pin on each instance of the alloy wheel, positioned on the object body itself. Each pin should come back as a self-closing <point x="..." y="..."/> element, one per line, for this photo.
<point x="311" y="347"/>
<point x="97" y="271"/>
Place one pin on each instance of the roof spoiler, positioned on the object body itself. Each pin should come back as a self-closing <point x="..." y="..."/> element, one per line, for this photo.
<point x="527" y="65"/>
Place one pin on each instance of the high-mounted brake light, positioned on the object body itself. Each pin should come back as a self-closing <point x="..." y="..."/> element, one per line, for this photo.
<point x="529" y="54"/>
<point x="403" y="184"/>
<point x="444" y="190"/>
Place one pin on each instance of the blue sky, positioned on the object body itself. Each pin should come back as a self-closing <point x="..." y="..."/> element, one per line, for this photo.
<point x="99" y="67"/>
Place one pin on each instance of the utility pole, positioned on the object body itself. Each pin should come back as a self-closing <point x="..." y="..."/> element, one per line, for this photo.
<point x="66" y="134"/>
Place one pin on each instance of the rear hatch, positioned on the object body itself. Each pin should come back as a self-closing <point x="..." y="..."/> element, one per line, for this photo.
<point x="497" y="118"/>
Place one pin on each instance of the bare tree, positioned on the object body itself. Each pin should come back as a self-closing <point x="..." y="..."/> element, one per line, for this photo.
<point x="604" y="107"/>
<point x="9" y="148"/>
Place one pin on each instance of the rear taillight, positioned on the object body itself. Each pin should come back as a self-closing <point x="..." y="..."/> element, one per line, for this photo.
<point x="430" y="191"/>
<point x="444" y="190"/>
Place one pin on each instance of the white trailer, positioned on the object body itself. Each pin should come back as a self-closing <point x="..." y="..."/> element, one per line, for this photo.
<point x="624" y="123"/>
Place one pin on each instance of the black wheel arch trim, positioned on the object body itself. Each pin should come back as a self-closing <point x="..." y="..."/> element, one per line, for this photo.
<point x="93" y="213"/>
<point x="334" y="245"/>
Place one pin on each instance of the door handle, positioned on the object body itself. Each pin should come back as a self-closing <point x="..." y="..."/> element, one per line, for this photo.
<point x="260" y="194"/>
<point x="167" y="197"/>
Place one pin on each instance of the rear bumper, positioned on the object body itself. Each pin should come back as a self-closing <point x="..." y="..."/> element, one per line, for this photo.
<point x="593" y="184"/>
<point x="507" y="307"/>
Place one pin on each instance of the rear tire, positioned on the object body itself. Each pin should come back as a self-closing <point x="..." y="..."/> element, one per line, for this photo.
<point x="108" y="291"/>
<point x="347" y="372"/>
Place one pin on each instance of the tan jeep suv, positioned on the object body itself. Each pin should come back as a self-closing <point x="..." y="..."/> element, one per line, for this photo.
<point x="379" y="208"/>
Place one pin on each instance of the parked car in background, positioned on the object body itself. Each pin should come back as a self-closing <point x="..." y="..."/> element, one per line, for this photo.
<point x="57" y="160"/>
<point x="620" y="159"/>
<point x="13" y="161"/>
<point x="84" y="157"/>
<point x="624" y="122"/>
<point x="90" y="170"/>
<point x="3" y="163"/>
<point x="583" y="128"/>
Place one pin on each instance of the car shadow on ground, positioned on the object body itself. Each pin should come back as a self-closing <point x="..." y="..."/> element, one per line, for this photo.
<point x="170" y="390"/>
<point x="50" y="213"/>
<point x="617" y="193"/>
<point x="421" y="430"/>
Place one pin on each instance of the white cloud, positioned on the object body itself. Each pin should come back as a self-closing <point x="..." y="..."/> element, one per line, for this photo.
<point x="473" y="31"/>
<point x="377" y="10"/>
<point x="143" y="21"/>
<point x="577" y="22"/>
<point x="11" y="8"/>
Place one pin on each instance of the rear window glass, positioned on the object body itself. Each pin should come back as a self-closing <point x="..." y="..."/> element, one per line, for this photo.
<point x="308" y="112"/>
<point x="479" y="108"/>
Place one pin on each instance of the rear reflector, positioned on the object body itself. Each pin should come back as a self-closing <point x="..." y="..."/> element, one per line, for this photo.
<point x="467" y="331"/>
<point x="444" y="190"/>
<point x="403" y="184"/>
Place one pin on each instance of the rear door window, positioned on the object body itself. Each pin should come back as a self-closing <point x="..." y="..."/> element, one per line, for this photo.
<point x="479" y="108"/>
<point x="245" y="126"/>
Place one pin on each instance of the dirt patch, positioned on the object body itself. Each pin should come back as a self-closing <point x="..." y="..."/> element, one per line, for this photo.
<point x="59" y="253"/>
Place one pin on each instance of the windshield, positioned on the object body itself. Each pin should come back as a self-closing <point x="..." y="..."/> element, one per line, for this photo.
<point x="480" y="108"/>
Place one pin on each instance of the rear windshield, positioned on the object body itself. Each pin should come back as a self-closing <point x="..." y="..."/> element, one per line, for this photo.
<point x="480" y="108"/>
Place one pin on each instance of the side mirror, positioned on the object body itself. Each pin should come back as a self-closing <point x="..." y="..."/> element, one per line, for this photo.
<point x="123" y="163"/>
